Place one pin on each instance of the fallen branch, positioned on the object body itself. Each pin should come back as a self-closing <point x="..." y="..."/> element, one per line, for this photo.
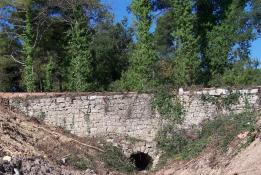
<point x="73" y="140"/>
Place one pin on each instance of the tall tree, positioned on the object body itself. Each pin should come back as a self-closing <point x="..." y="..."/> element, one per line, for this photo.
<point x="255" y="13"/>
<point x="80" y="70"/>
<point x="224" y="29"/>
<point x="27" y="37"/>
<point x="21" y="34"/>
<point x="48" y="75"/>
<point x="111" y="60"/>
<point x="140" y="74"/>
<point x="186" y="56"/>
<point x="10" y="71"/>
<point x="51" y="19"/>
<point x="164" y="40"/>
<point x="228" y="45"/>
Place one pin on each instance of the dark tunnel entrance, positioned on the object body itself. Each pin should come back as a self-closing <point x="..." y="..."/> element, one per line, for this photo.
<point x="141" y="160"/>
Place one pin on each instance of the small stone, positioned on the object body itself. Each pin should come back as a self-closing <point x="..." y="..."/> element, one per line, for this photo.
<point x="7" y="158"/>
<point x="253" y="91"/>
<point x="243" y="135"/>
<point x="63" y="160"/>
<point x="16" y="171"/>
<point x="181" y="91"/>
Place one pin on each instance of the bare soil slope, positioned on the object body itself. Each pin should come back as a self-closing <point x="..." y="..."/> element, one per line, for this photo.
<point x="237" y="161"/>
<point x="247" y="162"/>
<point x="39" y="149"/>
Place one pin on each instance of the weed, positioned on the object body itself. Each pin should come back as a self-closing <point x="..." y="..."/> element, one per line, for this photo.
<point x="79" y="162"/>
<point x="222" y="102"/>
<point x="162" y="161"/>
<point x="219" y="132"/>
<point x="231" y="99"/>
<point x="169" y="107"/>
<point x="210" y="99"/>
<point x="171" y="141"/>
<point x="41" y="117"/>
<point x="116" y="160"/>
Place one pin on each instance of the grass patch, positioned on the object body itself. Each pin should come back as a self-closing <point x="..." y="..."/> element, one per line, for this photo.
<point x="116" y="160"/>
<point x="79" y="162"/>
<point x="219" y="132"/>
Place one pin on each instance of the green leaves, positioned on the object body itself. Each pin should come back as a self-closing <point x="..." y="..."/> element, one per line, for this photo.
<point x="140" y="74"/>
<point x="186" y="57"/>
<point x="198" y="42"/>
<point x="28" y="76"/>
<point x="48" y="72"/>
<point x="78" y="51"/>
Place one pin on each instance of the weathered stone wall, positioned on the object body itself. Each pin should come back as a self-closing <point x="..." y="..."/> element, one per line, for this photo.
<point x="129" y="115"/>
<point x="94" y="115"/>
<point x="201" y="105"/>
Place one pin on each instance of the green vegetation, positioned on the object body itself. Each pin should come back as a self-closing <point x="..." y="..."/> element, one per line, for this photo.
<point x="169" y="106"/>
<point x="78" y="51"/>
<point x="70" y="45"/>
<point x="49" y="71"/>
<point x="79" y="162"/>
<point x="231" y="99"/>
<point x="28" y="76"/>
<point x="186" y="59"/>
<point x="140" y="74"/>
<point x="73" y="45"/>
<point x="116" y="160"/>
<point x="222" y="102"/>
<point x="218" y="133"/>
<point x="41" y="117"/>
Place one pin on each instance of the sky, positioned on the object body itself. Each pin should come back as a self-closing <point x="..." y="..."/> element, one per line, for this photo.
<point x="119" y="8"/>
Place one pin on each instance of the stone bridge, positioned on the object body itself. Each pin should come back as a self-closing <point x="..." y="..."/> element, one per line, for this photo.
<point x="125" y="119"/>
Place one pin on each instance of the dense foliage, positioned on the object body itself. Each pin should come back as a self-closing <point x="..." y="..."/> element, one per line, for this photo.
<point x="140" y="75"/>
<point x="68" y="45"/>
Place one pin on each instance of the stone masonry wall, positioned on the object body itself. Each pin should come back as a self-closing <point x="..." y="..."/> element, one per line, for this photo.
<point x="129" y="114"/>
<point x="201" y="105"/>
<point x="94" y="114"/>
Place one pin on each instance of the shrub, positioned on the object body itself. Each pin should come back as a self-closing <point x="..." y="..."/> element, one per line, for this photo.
<point x="116" y="160"/>
<point x="169" y="106"/>
<point x="219" y="132"/>
<point x="79" y="162"/>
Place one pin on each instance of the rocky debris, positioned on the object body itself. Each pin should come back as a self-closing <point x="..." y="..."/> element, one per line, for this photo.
<point x="7" y="158"/>
<point x="33" y="166"/>
<point x="31" y="148"/>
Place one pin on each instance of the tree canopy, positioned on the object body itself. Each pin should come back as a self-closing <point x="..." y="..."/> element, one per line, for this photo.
<point x="72" y="45"/>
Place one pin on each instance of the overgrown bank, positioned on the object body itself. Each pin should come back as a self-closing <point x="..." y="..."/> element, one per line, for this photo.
<point x="178" y="143"/>
<point x="218" y="133"/>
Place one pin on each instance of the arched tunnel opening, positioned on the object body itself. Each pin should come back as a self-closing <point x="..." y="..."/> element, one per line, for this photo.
<point x="141" y="160"/>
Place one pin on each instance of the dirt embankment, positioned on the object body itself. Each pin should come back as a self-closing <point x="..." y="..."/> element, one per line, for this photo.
<point x="236" y="161"/>
<point x="29" y="147"/>
<point x="247" y="162"/>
